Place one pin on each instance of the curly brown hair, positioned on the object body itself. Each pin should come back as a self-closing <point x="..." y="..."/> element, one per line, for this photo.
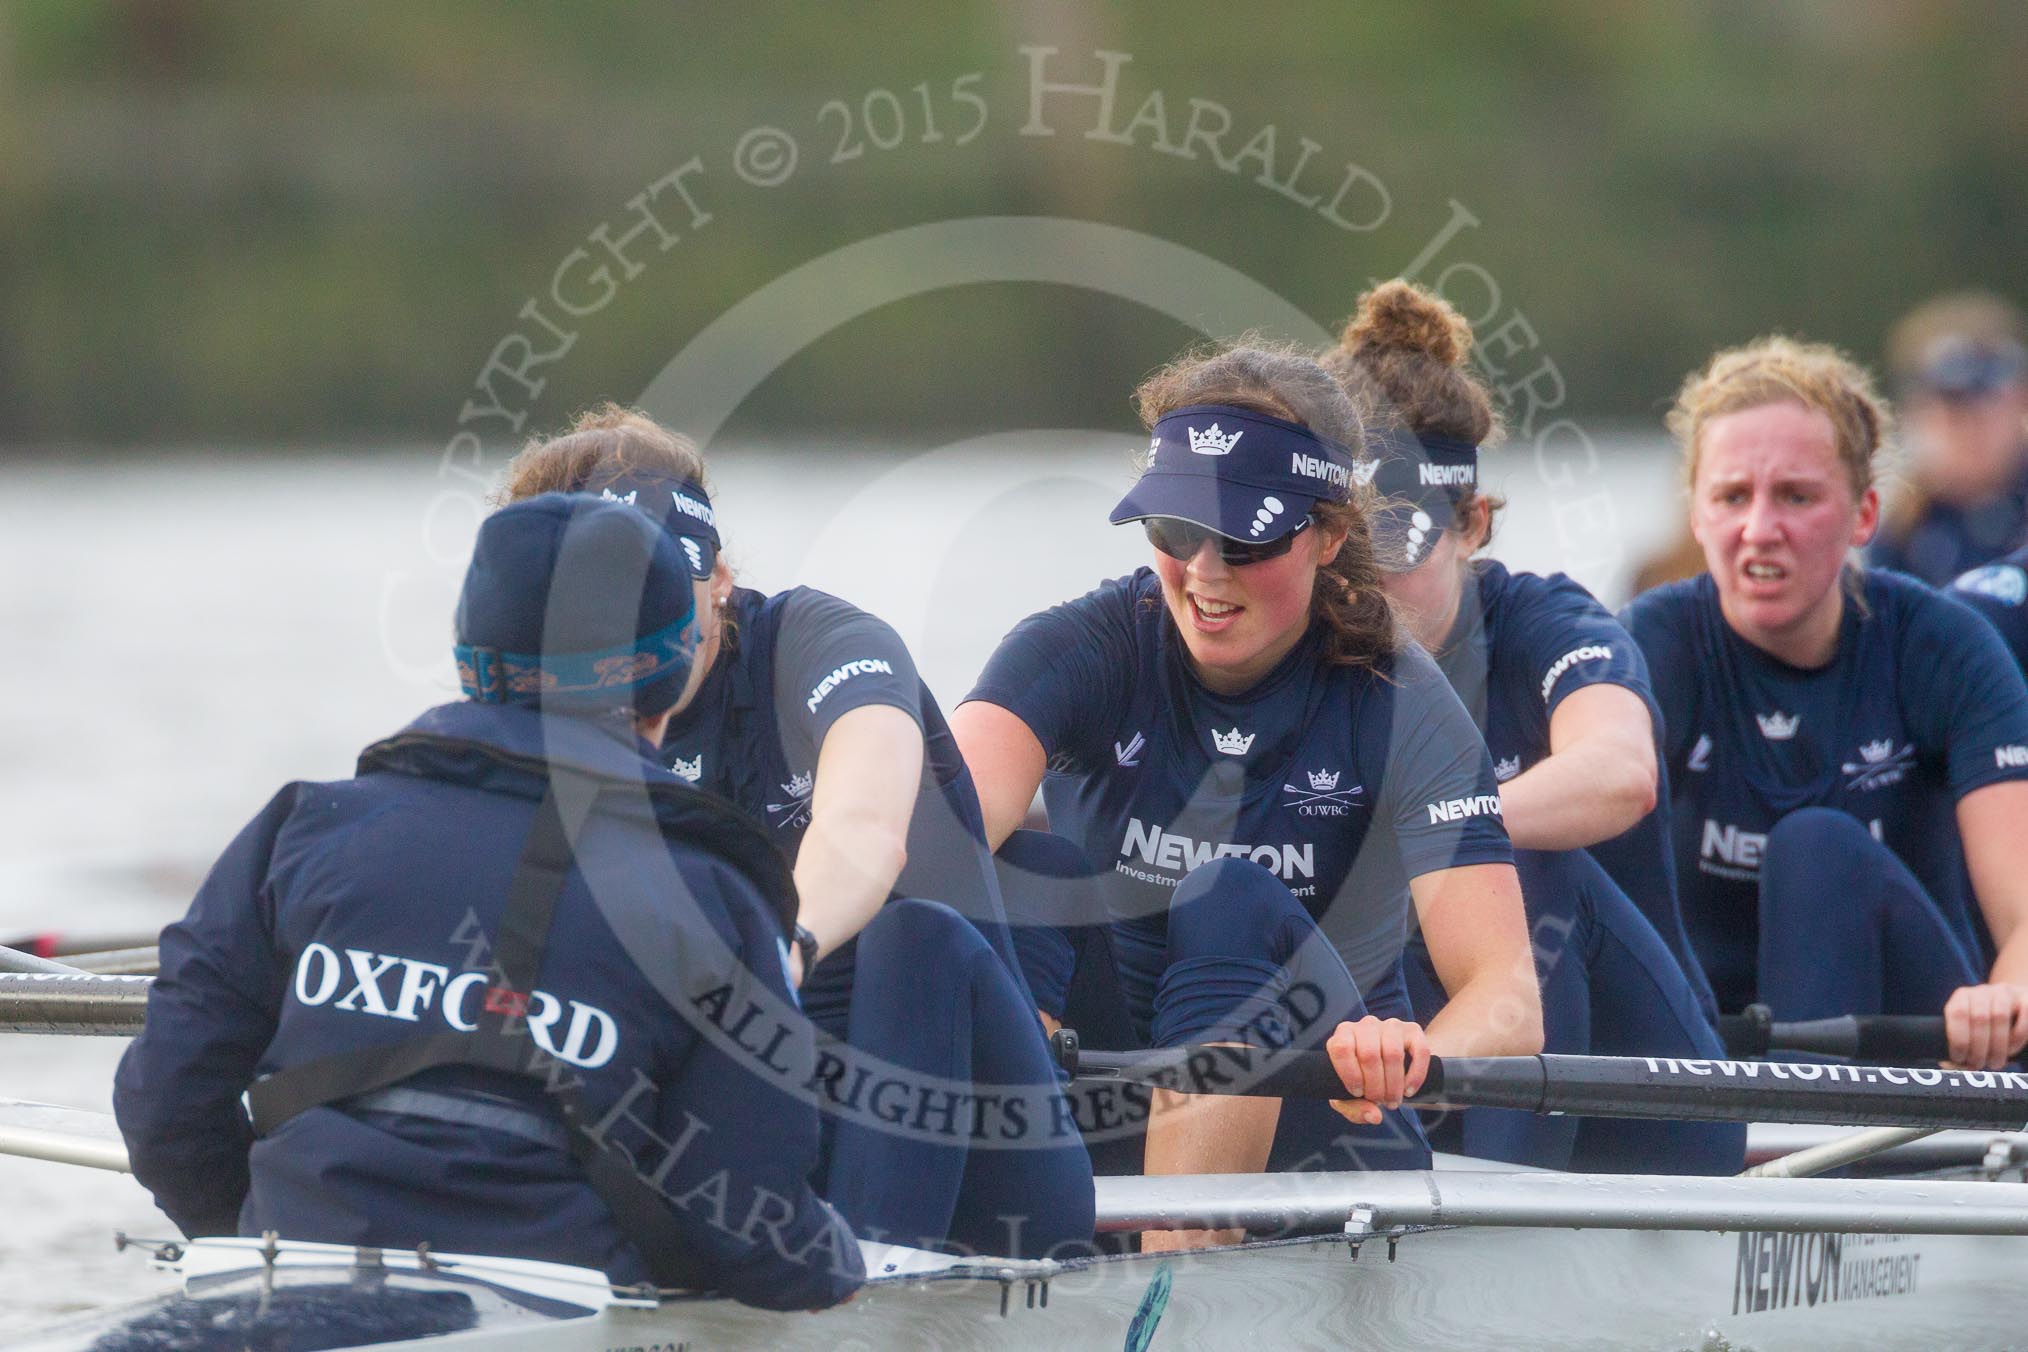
<point x="1348" y="604"/>
<point x="602" y="446"/>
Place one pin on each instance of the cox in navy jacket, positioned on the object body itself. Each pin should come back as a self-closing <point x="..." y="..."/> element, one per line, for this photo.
<point x="357" y="914"/>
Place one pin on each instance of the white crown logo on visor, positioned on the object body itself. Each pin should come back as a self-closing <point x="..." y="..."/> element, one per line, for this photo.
<point x="1270" y="508"/>
<point x="1210" y="442"/>
<point x="611" y="496"/>
<point x="1364" y="471"/>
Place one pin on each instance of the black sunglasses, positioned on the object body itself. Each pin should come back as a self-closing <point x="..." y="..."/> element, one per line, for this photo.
<point x="1181" y="539"/>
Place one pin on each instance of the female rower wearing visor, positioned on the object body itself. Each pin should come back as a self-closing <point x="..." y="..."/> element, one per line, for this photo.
<point x="1847" y="749"/>
<point x="1264" y="772"/>
<point x="811" y="717"/>
<point x="1562" y="695"/>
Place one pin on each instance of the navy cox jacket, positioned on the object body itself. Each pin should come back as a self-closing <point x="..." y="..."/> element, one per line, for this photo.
<point x="358" y="914"/>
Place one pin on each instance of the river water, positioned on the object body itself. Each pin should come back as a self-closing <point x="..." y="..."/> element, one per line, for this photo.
<point x="185" y="633"/>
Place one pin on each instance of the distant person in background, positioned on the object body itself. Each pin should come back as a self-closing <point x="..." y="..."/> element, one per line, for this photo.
<point x="1845" y="746"/>
<point x="1561" y="694"/>
<point x="1961" y="362"/>
<point x="810" y="716"/>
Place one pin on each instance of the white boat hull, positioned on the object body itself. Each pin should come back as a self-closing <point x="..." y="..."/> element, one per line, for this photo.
<point x="1453" y="1287"/>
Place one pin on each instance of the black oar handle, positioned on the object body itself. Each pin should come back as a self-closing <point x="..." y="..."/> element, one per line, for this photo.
<point x="1680" y="1089"/>
<point x="1911" y="1038"/>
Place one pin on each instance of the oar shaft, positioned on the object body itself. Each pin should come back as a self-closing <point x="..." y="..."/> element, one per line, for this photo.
<point x="1821" y="1159"/>
<point x="1606" y="1086"/>
<point x="14" y="960"/>
<point x="48" y="1145"/>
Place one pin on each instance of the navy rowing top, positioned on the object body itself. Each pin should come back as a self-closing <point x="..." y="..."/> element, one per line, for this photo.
<point x="1344" y="783"/>
<point x="1919" y="706"/>
<point x="1523" y="643"/>
<point x="793" y="665"/>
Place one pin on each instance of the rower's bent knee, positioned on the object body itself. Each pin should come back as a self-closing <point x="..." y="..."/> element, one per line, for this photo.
<point x="1226" y="898"/>
<point x="912" y="930"/>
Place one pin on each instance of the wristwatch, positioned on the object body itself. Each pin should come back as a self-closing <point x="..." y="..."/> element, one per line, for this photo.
<point x="806" y="944"/>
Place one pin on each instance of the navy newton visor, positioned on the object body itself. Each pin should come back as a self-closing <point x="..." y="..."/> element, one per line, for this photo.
<point x="1248" y="476"/>
<point x="683" y="509"/>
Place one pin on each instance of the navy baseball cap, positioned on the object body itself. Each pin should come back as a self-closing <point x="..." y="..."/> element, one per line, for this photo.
<point x="1246" y="475"/>
<point x="578" y="603"/>
<point x="1420" y="480"/>
<point x="1959" y="368"/>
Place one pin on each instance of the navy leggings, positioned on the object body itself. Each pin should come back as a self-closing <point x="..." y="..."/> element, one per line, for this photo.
<point x="930" y="996"/>
<point x="1236" y="958"/>
<point x="1845" y="928"/>
<point x="1610" y="987"/>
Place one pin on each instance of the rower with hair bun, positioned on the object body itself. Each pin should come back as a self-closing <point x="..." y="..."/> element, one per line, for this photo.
<point x="1846" y="747"/>
<point x="1263" y="775"/>
<point x="1562" y="695"/>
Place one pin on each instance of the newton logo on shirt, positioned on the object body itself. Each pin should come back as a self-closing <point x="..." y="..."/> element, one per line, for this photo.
<point x="1457" y="809"/>
<point x="857" y="667"/>
<point x="1590" y="652"/>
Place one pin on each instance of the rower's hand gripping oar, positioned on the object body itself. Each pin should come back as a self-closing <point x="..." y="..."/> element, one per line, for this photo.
<point x="1911" y="1038"/>
<point x="1670" y="1088"/>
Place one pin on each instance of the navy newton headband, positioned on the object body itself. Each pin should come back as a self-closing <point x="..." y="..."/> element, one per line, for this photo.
<point x="1420" y="480"/>
<point x="683" y="509"/>
<point x="1248" y="476"/>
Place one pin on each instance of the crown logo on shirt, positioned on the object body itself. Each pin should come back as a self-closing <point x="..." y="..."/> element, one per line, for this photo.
<point x="611" y="496"/>
<point x="1778" y="726"/>
<point x="1234" y="743"/>
<point x="1504" y="770"/>
<point x="1875" y="752"/>
<point x="692" y="769"/>
<point x="1210" y="442"/>
<point x="1323" y="781"/>
<point x="799" y="785"/>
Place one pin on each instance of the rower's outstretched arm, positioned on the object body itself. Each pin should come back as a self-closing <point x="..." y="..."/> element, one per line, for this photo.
<point x="1477" y="932"/>
<point x="1988" y="1024"/>
<point x="1598" y="779"/>
<point x="1007" y="763"/>
<point x="869" y="770"/>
